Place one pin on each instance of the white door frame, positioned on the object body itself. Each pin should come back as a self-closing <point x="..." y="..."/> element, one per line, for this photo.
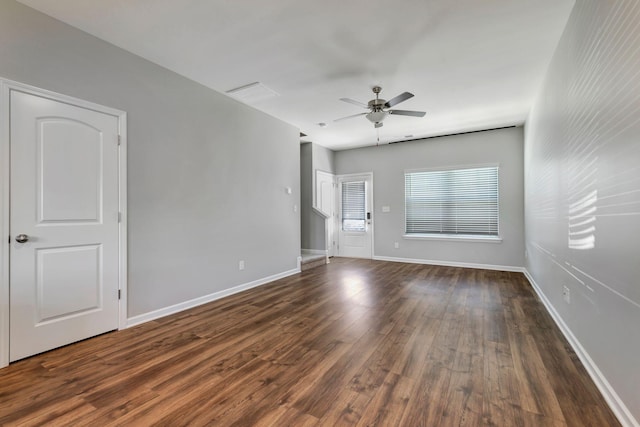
<point x="6" y="86"/>
<point x="338" y="205"/>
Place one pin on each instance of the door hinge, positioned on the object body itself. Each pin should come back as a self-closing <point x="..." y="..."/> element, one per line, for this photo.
<point x="119" y="139"/>
<point x="119" y="216"/>
<point x="119" y="294"/>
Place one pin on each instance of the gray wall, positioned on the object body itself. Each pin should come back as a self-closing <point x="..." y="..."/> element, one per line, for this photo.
<point x="583" y="188"/>
<point x="313" y="157"/>
<point x="207" y="175"/>
<point x="323" y="159"/>
<point x="388" y="163"/>
<point x="306" y="213"/>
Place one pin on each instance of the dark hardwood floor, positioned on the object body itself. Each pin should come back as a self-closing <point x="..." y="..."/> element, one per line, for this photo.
<point x="351" y="343"/>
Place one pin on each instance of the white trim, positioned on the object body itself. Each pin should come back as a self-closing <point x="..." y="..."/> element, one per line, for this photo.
<point x="44" y="93"/>
<point x="615" y="403"/>
<point x="314" y="252"/>
<point x="176" y="308"/>
<point x="426" y="236"/>
<point x="123" y="266"/>
<point x="4" y="224"/>
<point x="353" y="176"/>
<point x="319" y="212"/>
<point x="451" y="264"/>
<point x="350" y="177"/>
<point x="6" y="86"/>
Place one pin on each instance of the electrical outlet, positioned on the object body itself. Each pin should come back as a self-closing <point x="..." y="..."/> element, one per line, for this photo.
<point x="566" y="294"/>
<point x="241" y="265"/>
<point x="396" y="245"/>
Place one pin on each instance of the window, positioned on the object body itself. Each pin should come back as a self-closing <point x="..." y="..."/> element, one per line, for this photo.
<point x="455" y="202"/>
<point x="353" y="206"/>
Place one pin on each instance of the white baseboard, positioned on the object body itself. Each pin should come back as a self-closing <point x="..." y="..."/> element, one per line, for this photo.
<point x="176" y="308"/>
<point x="615" y="403"/>
<point x="314" y="252"/>
<point x="451" y="264"/>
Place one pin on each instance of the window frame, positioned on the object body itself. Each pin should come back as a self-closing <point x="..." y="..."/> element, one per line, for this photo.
<point x="453" y="237"/>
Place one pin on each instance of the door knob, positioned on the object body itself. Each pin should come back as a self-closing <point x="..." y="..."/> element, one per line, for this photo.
<point x="22" y="238"/>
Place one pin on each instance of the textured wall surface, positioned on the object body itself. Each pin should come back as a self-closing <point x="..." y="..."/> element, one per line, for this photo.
<point x="582" y="178"/>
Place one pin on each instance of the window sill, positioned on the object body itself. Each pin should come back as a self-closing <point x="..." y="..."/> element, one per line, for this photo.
<point x="453" y="237"/>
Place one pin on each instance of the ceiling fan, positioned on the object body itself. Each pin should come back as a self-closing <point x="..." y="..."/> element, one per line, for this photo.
<point x="379" y="107"/>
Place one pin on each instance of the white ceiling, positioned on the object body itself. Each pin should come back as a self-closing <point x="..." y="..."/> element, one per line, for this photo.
<point x="471" y="64"/>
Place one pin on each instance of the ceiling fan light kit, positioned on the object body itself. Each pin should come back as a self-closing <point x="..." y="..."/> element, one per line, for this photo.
<point x="376" y="117"/>
<point x="379" y="107"/>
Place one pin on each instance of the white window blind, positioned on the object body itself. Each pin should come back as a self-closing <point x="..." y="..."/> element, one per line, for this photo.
<point x="452" y="202"/>
<point x="353" y="206"/>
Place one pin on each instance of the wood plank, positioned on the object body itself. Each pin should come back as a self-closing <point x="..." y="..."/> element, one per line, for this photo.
<point x="389" y="403"/>
<point x="354" y="343"/>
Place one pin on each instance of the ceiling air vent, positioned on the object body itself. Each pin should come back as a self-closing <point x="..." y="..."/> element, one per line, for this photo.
<point x="252" y="93"/>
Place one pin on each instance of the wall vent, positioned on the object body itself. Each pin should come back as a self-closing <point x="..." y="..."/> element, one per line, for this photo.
<point x="252" y="93"/>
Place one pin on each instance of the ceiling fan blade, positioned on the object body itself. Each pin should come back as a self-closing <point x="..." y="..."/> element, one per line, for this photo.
<point x="407" y="113"/>
<point x="398" y="99"/>
<point x="354" y="102"/>
<point x="349" y="117"/>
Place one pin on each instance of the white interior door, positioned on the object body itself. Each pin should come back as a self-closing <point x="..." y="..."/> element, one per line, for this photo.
<point x="64" y="223"/>
<point x="355" y="233"/>
<point x="325" y="203"/>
